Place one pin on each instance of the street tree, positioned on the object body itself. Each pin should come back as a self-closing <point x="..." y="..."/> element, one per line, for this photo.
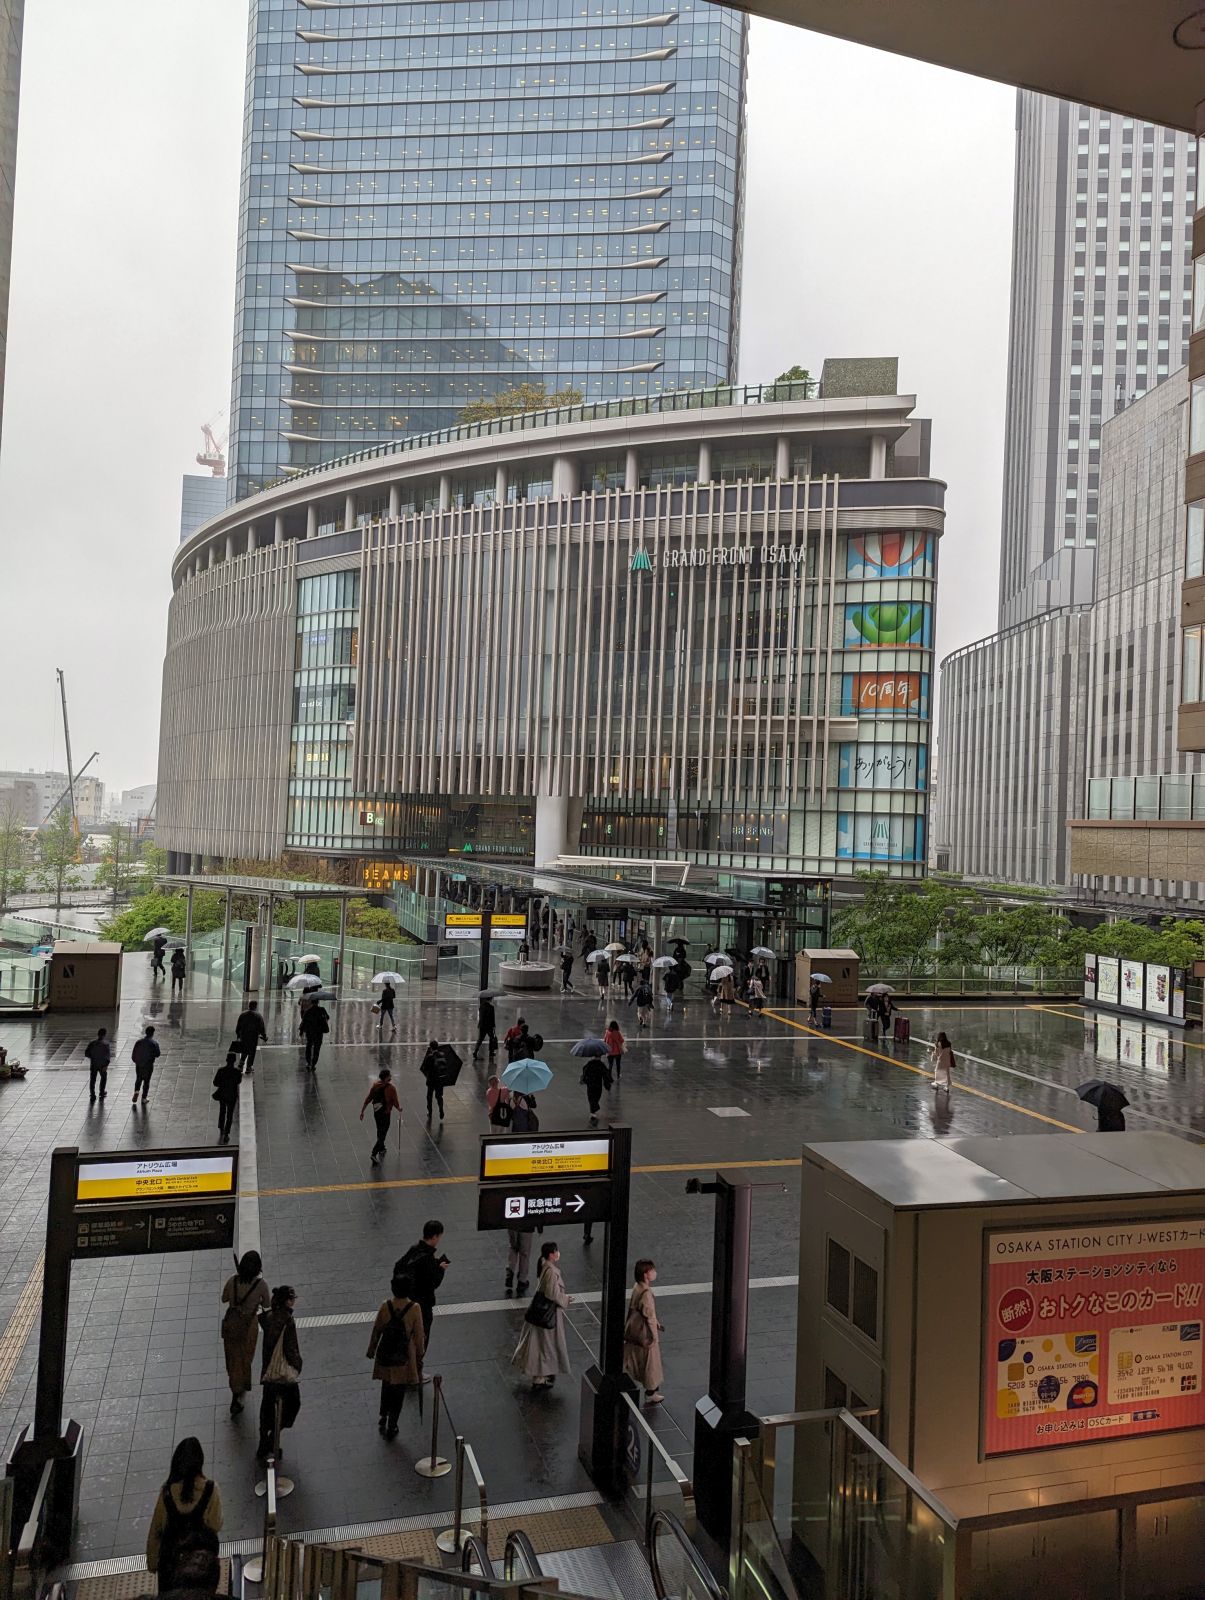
<point x="527" y="396"/>
<point x="123" y="868"/>
<point x="14" y="851"/>
<point x="58" y="853"/>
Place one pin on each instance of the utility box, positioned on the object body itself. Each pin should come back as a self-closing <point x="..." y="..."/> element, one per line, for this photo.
<point x="840" y="966"/>
<point x="1026" y="1314"/>
<point x="85" y="976"/>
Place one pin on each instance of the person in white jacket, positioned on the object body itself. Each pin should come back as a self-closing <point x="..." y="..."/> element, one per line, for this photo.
<point x="943" y="1062"/>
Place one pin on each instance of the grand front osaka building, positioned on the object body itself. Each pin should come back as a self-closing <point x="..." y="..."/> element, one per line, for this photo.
<point x="696" y="628"/>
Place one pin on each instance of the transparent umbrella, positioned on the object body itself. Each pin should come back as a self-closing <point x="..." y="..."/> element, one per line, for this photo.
<point x="388" y="977"/>
<point x="762" y="950"/>
<point x="304" y="980"/>
<point x="665" y="961"/>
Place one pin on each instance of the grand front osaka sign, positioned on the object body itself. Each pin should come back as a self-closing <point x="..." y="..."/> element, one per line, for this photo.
<point x="738" y="555"/>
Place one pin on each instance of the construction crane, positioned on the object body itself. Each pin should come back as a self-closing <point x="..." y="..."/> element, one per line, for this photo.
<point x="66" y="792"/>
<point x="213" y="452"/>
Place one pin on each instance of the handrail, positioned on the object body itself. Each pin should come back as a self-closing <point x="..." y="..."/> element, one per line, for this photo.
<point x="895" y="1465"/>
<point x="666" y="1519"/>
<point x="519" y="1545"/>
<point x="656" y="1448"/>
<point x="256" y="1568"/>
<point x="23" y="1557"/>
<point x="472" y="1551"/>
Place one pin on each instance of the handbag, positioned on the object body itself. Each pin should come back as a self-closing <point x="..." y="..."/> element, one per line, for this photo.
<point x="278" y="1369"/>
<point x="637" y="1331"/>
<point x="541" y="1313"/>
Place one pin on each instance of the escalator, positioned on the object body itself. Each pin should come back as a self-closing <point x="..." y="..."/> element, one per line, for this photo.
<point x="670" y="1568"/>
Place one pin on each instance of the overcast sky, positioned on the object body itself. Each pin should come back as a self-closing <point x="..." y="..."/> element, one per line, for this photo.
<point x="877" y="222"/>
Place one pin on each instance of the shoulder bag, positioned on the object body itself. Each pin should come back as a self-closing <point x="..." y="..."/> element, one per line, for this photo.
<point x="279" y="1370"/>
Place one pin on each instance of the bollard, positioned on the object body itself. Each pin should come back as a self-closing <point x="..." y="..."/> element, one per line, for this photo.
<point x="253" y="1571"/>
<point x="451" y="1539"/>
<point x="284" y="1486"/>
<point x="434" y="1465"/>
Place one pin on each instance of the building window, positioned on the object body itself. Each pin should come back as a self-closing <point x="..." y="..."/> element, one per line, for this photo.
<point x="1198" y="294"/>
<point x="1194" y="557"/>
<point x="852" y="1289"/>
<point x="1190" y="677"/>
<point x="1196" y="418"/>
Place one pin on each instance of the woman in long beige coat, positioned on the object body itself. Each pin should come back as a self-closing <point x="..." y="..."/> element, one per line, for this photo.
<point x="543" y="1352"/>
<point x="642" y="1335"/>
<point x="396" y="1348"/>
<point x="244" y="1296"/>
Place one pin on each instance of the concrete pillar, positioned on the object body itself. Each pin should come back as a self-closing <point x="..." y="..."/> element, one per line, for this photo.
<point x="311" y="522"/>
<point x="564" y="476"/>
<point x="278" y="529"/>
<point x="270" y="941"/>
<point x="500" y="485"/>
<point x="445" y="491"/>
<point x="212" y="557"/>
<point x="252" y="537"/>
<point x="552" y="819"/>
<point x="878" y="456"/>
<point x="704" y="461"/>
<point x="395" y="502"/>
<point x="349" y="511"/>
<point x="631" y="471"/>
<point x="782" y="457"/>
<point x="229" y="547"/>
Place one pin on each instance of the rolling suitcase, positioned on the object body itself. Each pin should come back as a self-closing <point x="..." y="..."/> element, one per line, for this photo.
<point x="870" y="1030"/>
<point x="826" y="1016"/>
<point x="903" y="1030"/>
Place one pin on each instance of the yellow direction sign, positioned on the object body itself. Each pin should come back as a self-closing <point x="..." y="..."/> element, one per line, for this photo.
<point x="155" y="1178"/>
<point x="569" y="1156"/>
<point x="462" y="919"/>
<point x="509" y="919"/>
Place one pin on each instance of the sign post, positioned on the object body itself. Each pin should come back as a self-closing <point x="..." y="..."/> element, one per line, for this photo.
<point x="487" y="919"/>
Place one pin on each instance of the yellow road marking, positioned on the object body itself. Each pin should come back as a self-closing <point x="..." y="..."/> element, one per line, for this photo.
<point x="1120" y="1016"/>
<point x="922" y="1072"/>
<point x="471" y="1177"/>
<point x="25" y="1312"/>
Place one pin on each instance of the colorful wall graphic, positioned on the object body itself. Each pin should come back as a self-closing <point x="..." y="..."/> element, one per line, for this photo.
<point x="871" y="836"/>
<point x="885" y="694"/>
<point x="882" y="766"/>
<point x="889" y="555"/>
<point x="1092" y="1332"/>
<point x="1108" y="979"/>
<point x="1131" y="985"/>
<point x="888" y="625"/>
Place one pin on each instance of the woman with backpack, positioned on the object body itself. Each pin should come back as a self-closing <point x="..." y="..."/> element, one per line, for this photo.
<point x="642" y="999"/>
<point x="943" y="1062"/>
<point x="189" y="1507"/>
<point x="245" y="1295"/>
<point x="382" y="1096"/>
<point x="542" y="1351"/>
<point x="396" y="1348"/>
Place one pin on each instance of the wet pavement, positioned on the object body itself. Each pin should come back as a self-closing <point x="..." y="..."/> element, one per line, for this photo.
<point x="146" y="1360"/>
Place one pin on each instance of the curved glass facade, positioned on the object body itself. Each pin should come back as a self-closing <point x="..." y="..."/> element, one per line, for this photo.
<point x="442" y="200"/>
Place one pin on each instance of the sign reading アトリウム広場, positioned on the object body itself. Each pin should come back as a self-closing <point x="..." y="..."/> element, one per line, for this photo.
<point x="154" y="1177"/>
<point x="1092" y="1332"/>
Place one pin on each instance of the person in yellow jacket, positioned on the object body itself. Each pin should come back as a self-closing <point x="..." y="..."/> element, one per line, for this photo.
<point x="189" y="1508"/>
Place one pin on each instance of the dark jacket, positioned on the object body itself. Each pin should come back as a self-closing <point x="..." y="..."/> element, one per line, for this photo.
<point x="99" y="1054"/>
<point x="145" y="1053"/>
<point x="179" y="965"/>
<point x="487" y="1019"/>
<point x="431" y="1064"/>
<point x="388" y="996"/>
<point x="274" y="1324"/>
<point x="249" y="1026"/>
<point x="424" y="1270"/>
<point x="316" y="1021"/>
<point x="596" y="1074"/>
<point x="227" y="1081"/>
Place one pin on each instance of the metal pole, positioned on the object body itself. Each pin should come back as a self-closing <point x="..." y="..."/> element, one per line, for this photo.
<point x="450" y="1539"/>
<point x="434" y="1465"/>
<point x="487" y="922"/>
<point x="226" y="935"/>
<point x="301" y="921"/>
<point x="56" y="1295"/>
<point x="613" y="1311"/>
<point x="270" y="977"/>
<point x="188" y="923"/>
<point x="342" y="934"/>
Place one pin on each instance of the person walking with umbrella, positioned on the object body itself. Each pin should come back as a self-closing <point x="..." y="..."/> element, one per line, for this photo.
<point x="596" y="1074"/>
<point x="1110" y="1103"/>
<point x="627" y="973"/>
<point x="383" y="1099"/>
<point x="542" y="1351"/>
<point x="487" y="1023"/>
<point x="157" y="948"/>
<point x="431" y="1068"/>
<point x="602" y="973"/>
<point x="386" y="1003"/>
<point x="814" y="993"/>
<point x="315" y="1025"/>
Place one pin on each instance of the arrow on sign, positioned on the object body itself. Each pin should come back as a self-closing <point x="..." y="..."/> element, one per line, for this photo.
<point x="576" y="1204"/>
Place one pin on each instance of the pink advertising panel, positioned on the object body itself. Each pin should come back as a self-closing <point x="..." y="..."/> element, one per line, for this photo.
<point x="1092" y="1332"/>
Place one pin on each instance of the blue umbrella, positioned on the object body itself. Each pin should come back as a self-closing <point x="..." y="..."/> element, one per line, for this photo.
<point x="527" y="1077"/>
<point x="589" y="1047"/>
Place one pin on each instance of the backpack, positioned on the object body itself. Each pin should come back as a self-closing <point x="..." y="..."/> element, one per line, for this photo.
<point x="180" y="1525"/>
<point x="393" y="1347"/>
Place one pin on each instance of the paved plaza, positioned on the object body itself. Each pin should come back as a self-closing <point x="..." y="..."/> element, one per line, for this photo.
<point x="700" y="1091"/>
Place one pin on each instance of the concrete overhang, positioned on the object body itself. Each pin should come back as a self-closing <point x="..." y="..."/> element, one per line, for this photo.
<point x="1143" y="58"/>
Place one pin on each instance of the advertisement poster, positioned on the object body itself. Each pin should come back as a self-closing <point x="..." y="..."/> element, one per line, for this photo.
<point x="1107" y="979"/>
<point x="874" y="836"/>
<point x="1092" y="1333"/>
<point x="889" y="555"/>
<point x="1178" y="994"/>
<point x="888" y="625"/>
<point x="1089" y="977"/>
<point x="1158" y="989"/>
<point x="884" y="694"/>
<point x="1131" y="985"/>
<point x="882" y="766"/>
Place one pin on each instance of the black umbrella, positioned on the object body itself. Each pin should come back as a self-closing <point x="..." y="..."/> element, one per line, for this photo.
<point x="449" y="1065"/>
<point x="1104" y="1096"/>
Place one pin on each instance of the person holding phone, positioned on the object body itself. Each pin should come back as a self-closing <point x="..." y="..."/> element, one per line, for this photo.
<point x="425" y="1265"/>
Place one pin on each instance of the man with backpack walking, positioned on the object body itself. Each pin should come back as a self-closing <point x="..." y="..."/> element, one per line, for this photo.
<point x="424" y="1265"/>
<point x="384" y="1102"/>
<point x="315" y="1025"/>
<point x="144" y="1055"/>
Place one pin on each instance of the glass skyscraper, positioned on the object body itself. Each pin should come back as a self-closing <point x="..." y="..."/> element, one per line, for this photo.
<point x="442" y="199"/>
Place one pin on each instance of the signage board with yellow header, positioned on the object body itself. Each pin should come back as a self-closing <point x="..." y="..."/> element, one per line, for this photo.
<point x="155" y="1175"/>
<point x="508" y="919"/>
<point x="462" y="919"/>
<point x="568" y="1155"/>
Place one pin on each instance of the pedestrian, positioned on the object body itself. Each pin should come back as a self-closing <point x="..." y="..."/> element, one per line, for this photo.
<point x="755" y="993"/>
<point x="432" y="1070"/>
<point x="814" y="1003"/>
<point x="642" y="1335"/>
<point x="541" y="1351"/>
<point x="596" y="1075"/>
<point x="518" y="1257"/>
<point x="943" y="1062"/>
<point x="424" y="1265"/>
<point x="245" y="1296"/>
<point x="189" y="1507"/>
<point x="602" y="972"/>
<point x="514" y="1041"/>
<point x="227" y="1081"/>
<point x="627" y="976"/>
<point x="487" y="1026"/>
<point x="1110" y="1118"/>
<point x="762" y="973"/>
<point x="385" y="1007"/>
<point x="157" y="949"/>
<point x="615" y="1044"/>
<point x="589" y="942"/>
<point x="249" y="1030"/>
<point x="396" y="1348"/>
<point x="642" y="999"/>
<point x="281" y="1371"/>
<point x="144" y="1055"/>
<point x="523" y="1114"/>
<point x="179" y="968"/>
<point x="98" y="1055"/>
<point x="382" y="1097"/>
<point x="315" y="1025"/>
<point x="498" y="1103"/>
<point x="726" y="993"/>
<point x="567" y="971"/>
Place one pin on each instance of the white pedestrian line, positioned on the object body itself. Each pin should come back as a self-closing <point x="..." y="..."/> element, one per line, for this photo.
<point x="461" y="1308"/>
<point x="248" y="1168"/>
<point x="632" y="1039"/>
<point x="728" y="1111"/>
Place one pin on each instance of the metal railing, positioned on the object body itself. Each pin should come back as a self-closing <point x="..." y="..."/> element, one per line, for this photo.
<point x="693" y="1579"/>
<point x="27" y="1556"/>
<point x="452" y="1539"/>
<point x="681" y="1494"/>
<point x="256" y="1569"/>
<point x="519" y="1549"/>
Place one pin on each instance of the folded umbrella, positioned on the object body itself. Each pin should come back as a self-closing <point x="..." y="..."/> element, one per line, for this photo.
<point x="527" y="1077"/>
<point x="1105" y="1096"/>
<point x="304" y="980"/>
<point x="589" y="1047"/>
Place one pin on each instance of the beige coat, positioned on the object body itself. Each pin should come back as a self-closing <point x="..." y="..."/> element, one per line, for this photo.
<point x="240" y="1329"/>
<point x="412" y="1321"/>
<point x="642" y="1362"/>
<point x="543" y="1352"/>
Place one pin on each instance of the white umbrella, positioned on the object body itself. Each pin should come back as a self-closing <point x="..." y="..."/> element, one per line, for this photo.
<point x="388" y="977"/>
<point x="716" y="955"/>
<point x="614" y="946"/>
<point x="665" y="961"/>
<point x="721" y="972"/>
<point x="880" y="988"/>
<point x="310" y="957"/>
<point x="304" y="980"/>
<point x="155" y="933"/>
<point x="761" y="950"/>
<point x="597" y="955"/>
<point x="628" y="961"/>
<point x="821" y="977"/>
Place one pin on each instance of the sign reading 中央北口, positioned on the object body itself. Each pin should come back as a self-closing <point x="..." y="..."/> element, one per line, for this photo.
<point x="1092" y="1332"/>
<point x="185" y="1175"/>
<point x="567" y="1155"/>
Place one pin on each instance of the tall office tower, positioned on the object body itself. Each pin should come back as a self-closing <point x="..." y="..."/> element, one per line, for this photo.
<point x="12" y="17"/>
<point x="443" y="199"/>
<point x="1102" y="248"/>
<point x="1101" y="300"/>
